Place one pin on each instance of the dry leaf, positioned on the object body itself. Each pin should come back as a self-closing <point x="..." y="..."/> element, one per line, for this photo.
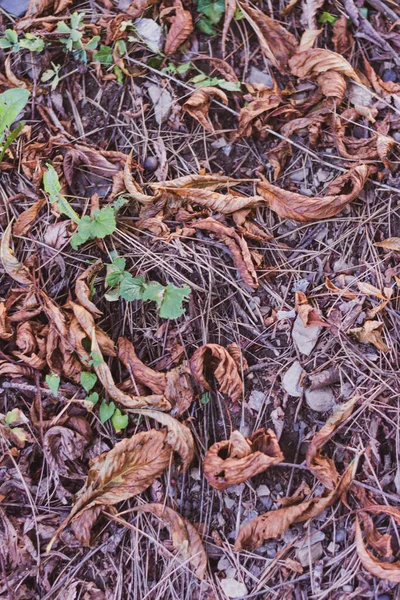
<point x="125" y="471"/>
<point x="215" y="201"/>
<point x="382" y="544"/>
<point x="307" y="313"/>
<point x="132" y="187"/>
<point x="60" y="445"/>
<point x="267" y="100"/>
<point x="336" y="290"/>
<point x="11" y="265"/>
<point x="313" y="62"/>
<point x="140" y="372"/>
<point x="291" y="205"/>
<point x="26" y="219"/>
<point x="181" y="27"/>
<point x="370" y="290"/>
<point x="321" y="466"/>
<point x="198" y="104"/>
<point x="230" y="9"/>
<point x="137" y="7"/>
<point x="185" y="537"/>
<point x="371" y="333"/>
<point x="233" y="461"/>
<point x="82" y="287"/>
<point x="383" y="88"/>
<point x="384" y="146"/>
<point x="341" y="37"/>
<point x="218" y="360"/>
<point x="86" y="321"/>
<point x="277" y="157"/>
<point x="308" y="38"/>
<point x="6" y="331"/>
<point x="310" y="8"/>
<point x="276" y="42"/>
<point x="389" y="244"/>
<point x="332" y="84"/>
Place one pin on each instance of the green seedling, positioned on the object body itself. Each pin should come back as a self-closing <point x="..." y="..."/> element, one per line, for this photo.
<point x="11" y="41"/>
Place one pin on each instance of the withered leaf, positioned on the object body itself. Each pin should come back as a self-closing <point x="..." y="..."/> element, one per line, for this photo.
<point x="6" y="331"/>
<point x="310" y="8"/>
<point x="370" y="290"/>
<point x="307" y="313"/>
<point x="181" y="27"/>
<point x="61" y="445"/>
<point x="342" y="38"/>
<point x="86" y="321"/>
<point x="17" y="436"/>
<point x="185" y="537"/>
<point x="216" y="201"/>
<point x="141" y="373"/>
<point x="198" y="104"/>
<point x="383" y="88"/>
<point x="218" y="360"/>
<point x="137" y="7"/>
<point x="12" y="266"/>
<point x="308" y="39"/>
<point x="291" y="205"/>
<point x="332" y="84"/>
<point x="82" y="287"/>
<point x="384" y="146"/>
<point x="389" y="244"/>
<point x="267" y="100"/>
<point x="371" y="333"/>
<point x="125" y="471"/>
<point x="230" y="9"/>
<point x="26" y="219"/>
<point x="322" y="466"/>
<point x="313" y="62"/>
<point x="233" y="461"/>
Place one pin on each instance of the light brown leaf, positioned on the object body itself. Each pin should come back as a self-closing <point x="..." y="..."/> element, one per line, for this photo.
<point x="198" y="181"/>
<point x="370" y="290"/>
<point x="341" y="37"/>
<point x="371" y="333"/>
<point x="337" y="290"/>
<point x="389" y="244"/>
<point x="381" y="543"/>
<point x="82" y="524"/>
<point x="125" y="471"/>
<point x="384" y="146"/>
<point x="215" y="201"/>
<point x="277" y="157"/>
<point x="383" y="88"/>
<point x="310" y="8"/>
<point x="179" y="436"/>
<point x="181" y="27"/>
<point x="220" y="362"/>
<point x="313" y="62"/>
<point x="179" y="389"/>
<point x="140" y="372"/>
<point x="132" y="187"/>
<point x="82" y="287"/>
<point x="185" y="537"/>
<point x="233" y="461"/>
<point x="275" y="41"/>
<point x="137" y="7"/>
<point x="308" y="314"/>
<point x="26" y="219"/>
<point x="230" y="9"/>
<point x="291" y="205"/>
<point x="11" y="265"/>
<point x="86" y="321"/>
<point x="322" y="466"/>
<point x="308" y="39"/>
<point x="61" y="445"/>
<point x="332" y="84"/>
<point x="198" y="105"/>
<point x="6" y="331"/>
<point x="10" y="369"/>
<point x="268" y="99"/>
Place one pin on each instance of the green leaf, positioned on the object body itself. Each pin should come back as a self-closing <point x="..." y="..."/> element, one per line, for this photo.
<point x="4" y="44"/>
<point x="213" y="9"/>
<point x="119" y="420"/>
<point x="103" y="222"/>
<point x="205" y="26"/>
<point x="115" y="272"/>
<point x="32" y="43"/>
<point x="96" y="359"/>
<point x="113" y="295"/>
<point x="184" y="68"/>
<point x="154" y="291"/>
<point x="12" y="36"/>
<point x="93" y="398"/>
<point x="326" y="17"/>
<point x="230" y="86"/>
<point x="171" y="306"/>
<point x="88" y="380"/>
<point x="77" y="20"/>
<point x="106" y="411"/>
<point x="104" y="55"/>
<point x="53" y="381"/>
<point x="364" y="11"/>
<point x="52" y="186"/>
<point x="205" y="398"/>
<point x="14" y="416"/>
<point x="132" y="288"/>
<point x="12" y="102"/>
<point x="119" y="203"/>
<point x="92" y="44"/>
<point x="62" y="27"/>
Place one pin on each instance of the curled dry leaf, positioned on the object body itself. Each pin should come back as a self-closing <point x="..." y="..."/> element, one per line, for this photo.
<point x="132" y="187"/>
<point x="276" y="42"/>
<point x="308" y="39"/>
<point x="307" y="313"/>
<point x="6" y="331"/>
<point x="322" y="466"/>
<point x="313" y="62"/>
<point x="86" y="321"/>
<point x="389" y="244"/>
<point x="185" y="537"/>
<point x="291" y="205"/>
<point x="309" y="11"/>
<point x="277" y="157"/>
<point x="371" y="333"/>
<point x="181" y="27"/>
<point x="11" y="265"/>
<point x="233" y="461"/>
<point x="237" y="245"/>
<point x="384" y="146"/>
<point x="342" y="38"/>
<point x="332" y="84"/>
<point x="125" y="471"/>
<point x="216" y="201"/>
<point x="198" y="105"/>
<point x="137" y="7"/>
<point x="218" y="360"/>
<point x="179" y="436"/>
<point x="383" y="88"/>
<point x="82" y="287"/>
<point x="268" y="99"/>
<point x="230" y="9"/>
<point x="26" y="219"/>
<point x="61" y="445"/>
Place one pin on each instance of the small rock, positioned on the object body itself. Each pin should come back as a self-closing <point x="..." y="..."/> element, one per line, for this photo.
<point x="347" y="390"/>
<point x="150" y="32"/>
<point x="223" y="563"/>
<point x="162" y="100"/>
<point x="195" y="474"/>
<point x="285" y="314"/>
<point x="237" y="489"/>
<point x="321" y="400"/>
<point x="360" y="96"/>
<point x="263" y="490"/>
<point x="307" y="554"/>
<point x="301" y="285"/>
<point x="340" y="535"/>
<point x="256" y="400"/>
<point x="17" y="8"/>
<point x="245" y="430"/>
<point x="257" y="76"/>
<point x="233" y="588"/>
<point x="383" y="597"/>
<point x="229" y="502"/>
<point x="299" y="175"/>
<point x="323" y="175"/>
<point x="389" y="75"/>
<point x="333" y="548"/>
<point x="305" y="338"/>
<point x="291" y="380"/>
<point x="150" y="163"/>
<point x="278" y="419"/>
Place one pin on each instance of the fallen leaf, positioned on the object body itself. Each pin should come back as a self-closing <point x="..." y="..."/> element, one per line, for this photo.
<point x="28" y="217"/>
<point x="230" y="9"/>
<point x="150" y="33"/>
<point x="140" y="372"/>
<point x="383" y="88"/>
<point x="370" y="290"/>
<point x="381" y="543"/>
<point x="384" y="146"/>
<point x="291" y="380"/>
<point x="86" y="321"/>
<point x="267" y="100"/>
<point x="181" y="27"/>
<point x="61" y="445"/>
<point x="307" y="313"/>
<point x="277" y="157"/>
<point x="371" y="333"/>
<point x="275" y="41"/>
<point x="332" y="84"/>
<point x="233" y="588"/>
<point x="137" y="7"/>
<point x="310" y="8"/>
<point x="198" y="105"/>
<point x="341" y="37"/>
<point x="389" y="244"/>
<point x="291" y="205"/>
<point x="313" y="62"/>
<point x="308" y="38"/>
<point x="305" y="337"/>
<point x="185" y="537"/>
<point x="233" y="461"/>
<point x="6" y="331"/>
<point x="82" y="287"/>
<point x="218" y="360"/>
<point x="12" y="266"/>
<point x="215" y="201"/>
<point x="162" y="102"/>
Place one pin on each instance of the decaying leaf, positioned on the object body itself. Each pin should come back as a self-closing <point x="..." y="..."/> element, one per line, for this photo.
<point x="230" y="9"/>
<point x="322" y="466"/>
<point x="198" y="105"/>
<point x="217" y="359"/>
<point x="313" y="62"/>
<point x="371" y="333"/>
<point x="384" y="146"/>
<point x="389" y="244"/>
<point x="332" y="84"/>
<point x="137" y="7"/>
<point x="82" y="287"/>
<point x="216" y="201"/>
<point x="185" y="537"/>
<point x="267" y="100"/>
<point x="383" y="88"/>
<point x="308" y="39"/>
<point x="6" y="331"/>
<point x="26" y="219"/>
<point x="370" y="290"/>
<point x="60" y="445"/>
<point x="11" y="265"/>
<point x="342" y="38"/>
<point x="181" y="26"/>
<point x="86" y="321"/>
<point x="310" y="8"/>
<point x="125" y="471"/>
<point x="307" y="313"/>
<point x="291" y="205"/>
<point x="233" y="461"/>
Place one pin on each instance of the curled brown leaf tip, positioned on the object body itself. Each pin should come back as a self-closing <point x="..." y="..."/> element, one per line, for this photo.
<point x="198" y="105"/>
<point x="220" y="363"/>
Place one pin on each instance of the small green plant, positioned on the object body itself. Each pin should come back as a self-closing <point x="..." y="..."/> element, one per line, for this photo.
<point x="52" y="75"/>
<point x="11" y="41"/>
<point x="106" y="411"/>
<point x="202" y="80"/>
<point x="211" y="14"/>
<point x="74" y="32"/>
<point x="52" y="186"/>
<point x="326" y="17"/>
<point x="105" y="56"/>
<point x="169" y="298"/>
<point x="12" y="102"/>
<point x="88" y="380"/>
<point x="53" y="381"/>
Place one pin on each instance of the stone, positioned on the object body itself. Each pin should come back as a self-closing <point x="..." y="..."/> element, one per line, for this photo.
<point x="305" y="338"/>
<point x="162" y="101"/>
<point x="257" y="76"/>
<point x="291" y="380"/>
<point x="233" y="588"/>
<point x="321" y="400"/>
<point x="256" y="400"/>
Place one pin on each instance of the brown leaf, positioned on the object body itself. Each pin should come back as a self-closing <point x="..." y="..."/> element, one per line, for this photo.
<point x="125" y="471"/>
<point x="233" y="461"/>
<point x="321" y="466"/>
<point x="82" y="287"/>
<point x="276" y="42"/>
<point x="137" y="7"/>
<point x="6" y="331"/>
<point x="332" y="84"/>
<point x="313" y="62"/>
<point x="371" y="333"/>
<point x="384" y="146"/>
<point x="370" y="290"/>
<point x="26" y="219"/>
<point x="277" y="157"/>
<point x="237" y="245"/>
<point x="179" y="436"/>
<point x="268" y="99"/>
<point x="179" y="389"/>
<point x="181" y="27"/>
<point x="342" y="38"/>
<point x="86" y="321"/>
<point x="308" y="314"/>
<point x="17" y="436"/>
<point x="11" y="265"/>
<point x="389" y="244"/>
<point x="198" y="104"/>
<point x="382" y="544"/>
<point x="218" y="360"/>
<point x="275" y="522"/>
<point x="82" y="524"/>
<point x="310" y="8"/>
<point x="61" y="445"/>
<point x="230" y="9"/>
<point x="9" y="369"/>
<point x="308" y="39"/>
<point x="215" y="201"/>
<point x="132" y="187"/>
<point x="185" y="537"/>
<point x="291" y="205"/>
<point x="383" y="88"/>
<point x="140" y="372"/>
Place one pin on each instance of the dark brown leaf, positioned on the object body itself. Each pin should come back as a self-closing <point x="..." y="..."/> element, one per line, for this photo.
<point x="28" y="217"/>
<point x="217" y="359"/>
<point x="181" y="27"/>
<point x="82" y="287"/>
<point x="198" y="104"/>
